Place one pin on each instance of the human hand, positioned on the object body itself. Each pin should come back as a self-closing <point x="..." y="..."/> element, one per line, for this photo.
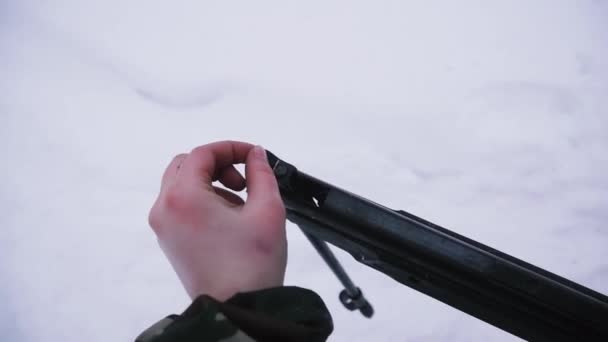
<point x="218" y="244"/>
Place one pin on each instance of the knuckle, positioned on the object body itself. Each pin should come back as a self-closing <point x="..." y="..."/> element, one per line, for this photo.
<point x="176" y="201"/>
<point x="155" y="218"/>
<point x="199" y="150"/>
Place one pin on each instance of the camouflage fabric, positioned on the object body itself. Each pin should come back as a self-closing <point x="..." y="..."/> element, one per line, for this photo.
<point x="289" y="314"/>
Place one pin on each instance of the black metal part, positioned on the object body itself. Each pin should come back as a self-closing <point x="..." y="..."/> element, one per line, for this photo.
<point x="504" y="291"/>
<point x="351" y="297"/>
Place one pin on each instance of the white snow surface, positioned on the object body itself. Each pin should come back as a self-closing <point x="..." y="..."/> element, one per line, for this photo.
<point x="487" y="117"/>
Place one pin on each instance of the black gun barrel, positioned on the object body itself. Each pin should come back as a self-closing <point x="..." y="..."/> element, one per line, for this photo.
<point x="497" y="288"/>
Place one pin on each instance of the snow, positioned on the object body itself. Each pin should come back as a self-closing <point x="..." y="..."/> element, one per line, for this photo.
<point x="487" y="118"/>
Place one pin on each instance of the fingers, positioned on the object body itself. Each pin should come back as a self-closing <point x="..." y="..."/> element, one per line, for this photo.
<point x="232" y="178"/>
<point x="232" y="198"/>
<point x="205" y="161"/>
<point x="171" y="170"/>
<point x="214" y="161"/>
<point x="262" y="187"/>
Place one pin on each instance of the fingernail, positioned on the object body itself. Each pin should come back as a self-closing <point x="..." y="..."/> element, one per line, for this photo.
<point x="260" y="152"/>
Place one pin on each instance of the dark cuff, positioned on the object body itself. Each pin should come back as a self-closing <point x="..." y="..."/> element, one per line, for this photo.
<point x="280" y="314"/>
<point x="290" y="314"/>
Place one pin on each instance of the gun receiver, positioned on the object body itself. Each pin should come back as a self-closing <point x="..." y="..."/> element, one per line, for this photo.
<point x="497" y="288"/>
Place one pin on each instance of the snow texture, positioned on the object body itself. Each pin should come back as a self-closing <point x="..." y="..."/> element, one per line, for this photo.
<point x="487" y="117"/>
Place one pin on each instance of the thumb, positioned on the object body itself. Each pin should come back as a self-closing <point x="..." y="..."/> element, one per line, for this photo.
<point x="262" y="187"/>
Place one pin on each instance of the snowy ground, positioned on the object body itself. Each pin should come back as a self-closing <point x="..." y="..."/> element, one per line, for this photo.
<point x="489" y="118"/>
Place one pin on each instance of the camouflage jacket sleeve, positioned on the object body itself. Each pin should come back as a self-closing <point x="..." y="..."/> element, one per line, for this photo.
<point x="289" y="314"/>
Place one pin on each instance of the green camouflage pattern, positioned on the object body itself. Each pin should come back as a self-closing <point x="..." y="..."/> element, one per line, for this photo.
<point x="290" y="314"/>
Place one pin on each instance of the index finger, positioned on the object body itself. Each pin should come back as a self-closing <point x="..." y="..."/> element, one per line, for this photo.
<point x="205" y="161"/>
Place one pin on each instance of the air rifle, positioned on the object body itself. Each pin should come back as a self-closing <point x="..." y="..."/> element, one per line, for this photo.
<point x="513" y="295"/>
